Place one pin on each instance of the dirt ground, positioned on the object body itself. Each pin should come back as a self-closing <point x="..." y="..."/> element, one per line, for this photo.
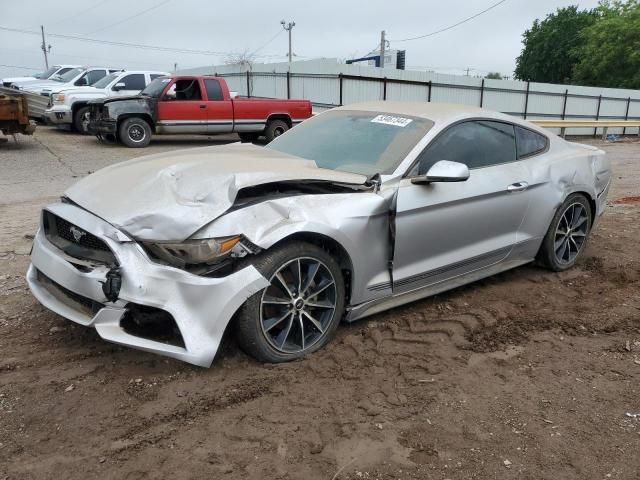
<point x="526" y="375"/>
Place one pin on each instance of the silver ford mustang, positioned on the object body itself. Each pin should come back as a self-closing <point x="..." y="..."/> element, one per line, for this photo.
<point x="355" y="211"/>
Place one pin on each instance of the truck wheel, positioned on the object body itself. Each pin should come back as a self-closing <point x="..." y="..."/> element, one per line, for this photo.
<point x="81" y="120"/>
<point x="275" y="128"/>
<point x="135" y="132"/>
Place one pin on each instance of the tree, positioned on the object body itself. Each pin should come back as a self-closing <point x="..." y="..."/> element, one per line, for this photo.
<point x="551" y="47"/>
<point x="243" y="59"/>
<point x="609" y="54"/>
<point x="493" y="76"/>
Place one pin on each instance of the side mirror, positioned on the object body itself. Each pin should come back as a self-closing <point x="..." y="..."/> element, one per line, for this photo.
<point x="444" y="171"/>
<point x="82" y="82"/>
<point x="119" y="86"/>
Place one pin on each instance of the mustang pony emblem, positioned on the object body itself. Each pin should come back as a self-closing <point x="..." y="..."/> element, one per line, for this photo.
<point x="77" y="233"/>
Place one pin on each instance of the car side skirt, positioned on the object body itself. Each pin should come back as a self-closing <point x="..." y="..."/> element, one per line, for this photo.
<point x="366" y="309"/>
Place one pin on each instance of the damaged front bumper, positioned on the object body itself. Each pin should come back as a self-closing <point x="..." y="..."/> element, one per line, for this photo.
<point x="102" y="126"/>
<point x="103" y="296"/>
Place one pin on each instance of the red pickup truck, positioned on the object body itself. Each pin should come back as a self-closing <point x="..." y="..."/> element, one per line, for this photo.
<point x="192" y="104"/>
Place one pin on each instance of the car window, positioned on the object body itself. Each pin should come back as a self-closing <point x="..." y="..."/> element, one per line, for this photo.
<point x="48" y="73"/>
<point x="135" y="81"/>
<point x="64" y="70"/>
<point x="477" y="144"/>
<point x="354" y="141"/>
<point x="69" y="76"/>
<point x="184" y="90"/>
<point x="94" y="75"/>
<point x="156" y="75"/>
<point x="529" y="142"/>
<point x="214" y="91"/>
<point x="155" y="88"/>
<point x="106" y="80"/>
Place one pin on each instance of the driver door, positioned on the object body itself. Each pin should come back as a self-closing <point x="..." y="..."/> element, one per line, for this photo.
<point x="446" y="229"/>
<point x="182" y="108"/>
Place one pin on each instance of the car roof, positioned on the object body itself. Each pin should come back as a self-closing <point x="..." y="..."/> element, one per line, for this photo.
<point x="434" y="111"/>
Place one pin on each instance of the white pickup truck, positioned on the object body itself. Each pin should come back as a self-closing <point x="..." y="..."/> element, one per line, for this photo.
<point x="76" y="77"/>
<point x="38" y="77"/>
<point x="69" y="106"/>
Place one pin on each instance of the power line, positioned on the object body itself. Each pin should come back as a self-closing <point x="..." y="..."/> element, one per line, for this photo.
<point x="452" y="26"/>
<point x="22" y="68"/>
<point x="120" y="44"/>
<point x="81" y="12"/>
<point x="135" y="45"/>
<point x="268" y="42"/>
<point x="130" y="17"/>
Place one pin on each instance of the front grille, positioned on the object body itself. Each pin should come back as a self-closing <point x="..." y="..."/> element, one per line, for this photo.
<point x="75" y="241"/>
<point x="66" y="230"/>
<point x="82" y="303"/>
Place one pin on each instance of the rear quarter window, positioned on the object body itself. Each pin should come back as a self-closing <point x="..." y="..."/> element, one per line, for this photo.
<point x="529" y="142"/>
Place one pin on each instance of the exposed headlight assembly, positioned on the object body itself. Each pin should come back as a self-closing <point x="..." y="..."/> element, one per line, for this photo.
<point x="194" y="252"/>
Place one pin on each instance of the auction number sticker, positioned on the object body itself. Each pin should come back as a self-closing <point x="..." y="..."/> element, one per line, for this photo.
<point x="391" y="120"/>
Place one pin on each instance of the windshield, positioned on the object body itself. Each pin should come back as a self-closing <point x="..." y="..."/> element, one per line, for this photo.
<point x="106" y="80"/>
<point x="67" y="77"/>
<point x="354" y="141"/>
<point x="47" y="73"/>
<point x="155" y="88"/>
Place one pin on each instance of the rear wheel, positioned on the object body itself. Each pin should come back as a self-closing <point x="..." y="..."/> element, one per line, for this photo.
<point x="275" y="128"/>
<point x="567" y="235"/>
<point x="134" y="132"/>
<point x="81" y="120"/>
<point x="299" y="311"/>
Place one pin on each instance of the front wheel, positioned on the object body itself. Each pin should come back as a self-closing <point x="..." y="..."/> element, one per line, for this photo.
<point x="567" y="235"/>
<point x="81" y="120"/>
<point x="299" y="311"/>
<point x="275" y="128"/>
<point x="135" y="132"/>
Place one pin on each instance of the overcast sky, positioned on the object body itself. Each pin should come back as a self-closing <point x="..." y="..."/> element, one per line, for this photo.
<point x="325" y="28"/>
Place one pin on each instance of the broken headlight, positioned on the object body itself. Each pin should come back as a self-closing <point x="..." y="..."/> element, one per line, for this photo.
<point x="193" y="252"/>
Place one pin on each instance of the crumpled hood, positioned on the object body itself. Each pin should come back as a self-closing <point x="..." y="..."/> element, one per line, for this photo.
<point x="169" y="196"/>
<point x="120" y="99"/>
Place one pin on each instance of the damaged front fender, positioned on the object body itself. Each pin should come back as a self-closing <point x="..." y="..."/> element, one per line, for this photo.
<point x="358" y="222"/>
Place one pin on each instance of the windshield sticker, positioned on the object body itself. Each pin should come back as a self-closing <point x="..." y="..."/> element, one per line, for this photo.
<point x="391" y="120"/>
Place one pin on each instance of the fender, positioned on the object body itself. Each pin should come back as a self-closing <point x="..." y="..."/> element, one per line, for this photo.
<point x="123" y="107"/>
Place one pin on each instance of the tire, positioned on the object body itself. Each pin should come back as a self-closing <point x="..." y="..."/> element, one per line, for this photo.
<point x="248" y="137"/>
<point x="274" y="129"/>
<point x="81" y="120"/>
<point x="271" y="330"/>
<point x="134" y="132"/>
<point x="562" y="247"/>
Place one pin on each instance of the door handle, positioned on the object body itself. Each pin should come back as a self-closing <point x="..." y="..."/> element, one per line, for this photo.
<point x="203" y="106"/>
<point x="518" y="187"/>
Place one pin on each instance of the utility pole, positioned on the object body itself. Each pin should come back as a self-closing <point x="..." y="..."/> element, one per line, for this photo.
<point x="288" y="27"/>
<point x="383" y="44"/>
<point x="468" y="71"/>
<point x="175" y="67"/>
<point x="44" y="48"/>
